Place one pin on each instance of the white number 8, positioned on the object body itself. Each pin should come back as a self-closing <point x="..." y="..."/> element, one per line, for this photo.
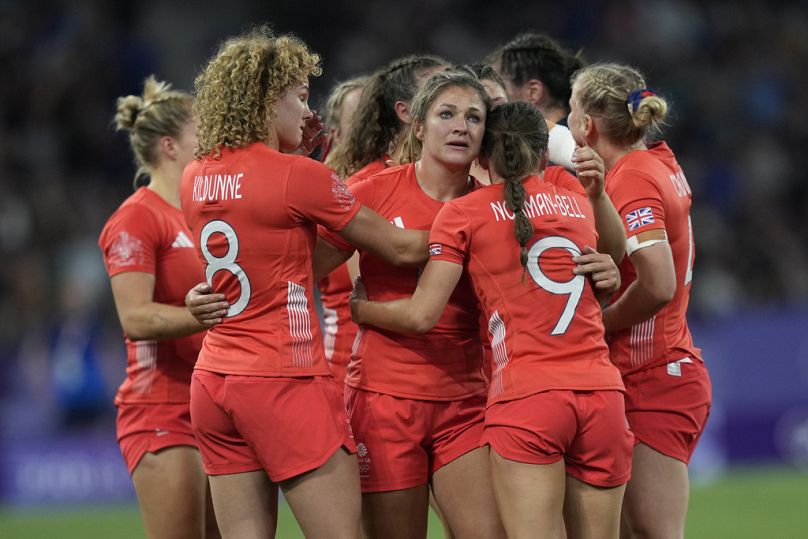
<point x="573" y="288"/>
<point x="225" y="263"/>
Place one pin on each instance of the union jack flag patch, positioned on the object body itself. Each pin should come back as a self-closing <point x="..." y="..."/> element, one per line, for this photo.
<point x="638" y="218"/>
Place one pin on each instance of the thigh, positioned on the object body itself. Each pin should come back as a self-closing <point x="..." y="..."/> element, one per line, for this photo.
<point x="592" y="512"/>
<point x="246" y="505"/>
<point x="465" y="495"/>
<point x="390" y="432"/>
<point x="530" y="497"/>
<point x="396" y="514"/>
<point x="171" y="489"/>
<point x="657" y="481"/>
<point x="326" y="501"/>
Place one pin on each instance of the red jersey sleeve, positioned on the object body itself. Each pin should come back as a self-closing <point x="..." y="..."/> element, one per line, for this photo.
<point x="362" y="192"/>
<point x="315" y="193"/>
<point x="639" y="201"/>
<point x="450" y="235"/>
<point x="130" y="240"/>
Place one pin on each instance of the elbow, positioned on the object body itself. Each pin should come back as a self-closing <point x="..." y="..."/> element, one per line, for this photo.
<point x="134" y="333"/>
<point x="421" y="323"/>
<point x="662" y="295"/>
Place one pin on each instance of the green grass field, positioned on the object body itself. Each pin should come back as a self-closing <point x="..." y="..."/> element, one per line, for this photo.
<point x="753" y="503"/>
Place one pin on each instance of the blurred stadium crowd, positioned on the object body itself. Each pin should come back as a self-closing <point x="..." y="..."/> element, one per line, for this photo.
<point x="733" y="71"/>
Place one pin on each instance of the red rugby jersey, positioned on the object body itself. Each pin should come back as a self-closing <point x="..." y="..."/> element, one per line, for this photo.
<point x="650" y="192"/>
<point x="147" y="234"/>
<point x="545" y="324"/>
<point x="442" y="364"/>
<point x="253" y="213"/>
<point x="335" y="289"/>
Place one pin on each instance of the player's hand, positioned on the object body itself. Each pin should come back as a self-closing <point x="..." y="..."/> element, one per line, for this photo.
<point x="358" y="296"/>
<point x="208" y="308"/>
<point x="589" y="168"/>
<point x="600" y="268"/>
<point x="313" y="135"/>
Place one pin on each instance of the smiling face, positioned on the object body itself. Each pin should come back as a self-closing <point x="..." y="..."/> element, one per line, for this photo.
<point x="292" y="114"/>
<point x="453" y="127"/>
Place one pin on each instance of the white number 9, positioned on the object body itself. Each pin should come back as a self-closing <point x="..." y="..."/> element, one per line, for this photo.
<point x="225" y="263"/>
<point x="572" y="288"/>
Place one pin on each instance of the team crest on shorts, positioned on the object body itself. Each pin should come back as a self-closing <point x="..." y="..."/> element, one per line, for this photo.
<point x="434" y="249"/>
<point x="363" y="460"/>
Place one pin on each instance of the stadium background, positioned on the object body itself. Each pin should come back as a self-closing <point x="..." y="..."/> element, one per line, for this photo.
<point x="734" y="72"/>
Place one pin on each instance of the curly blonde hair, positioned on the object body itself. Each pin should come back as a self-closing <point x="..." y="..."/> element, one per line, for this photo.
<point x="160" y="111"/>
<point x="236" y="93"/>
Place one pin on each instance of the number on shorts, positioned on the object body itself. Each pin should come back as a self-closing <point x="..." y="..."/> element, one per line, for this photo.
<point x="226" y="262"/>
<point x="572" y="288"/>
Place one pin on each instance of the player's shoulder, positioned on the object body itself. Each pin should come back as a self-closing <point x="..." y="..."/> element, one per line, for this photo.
<point x="367" y="171"/>
<point x="387" y="179"/>
<point x="143" y="203"/>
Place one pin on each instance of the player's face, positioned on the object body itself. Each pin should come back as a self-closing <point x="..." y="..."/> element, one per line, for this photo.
<point x="186" y="142"/>
<point x="495" y="92"/>
<point x="292" y="114"/>
<point x="349" y="104"/>
<point x="453" y="128"/>
<point x="576" y="120"/>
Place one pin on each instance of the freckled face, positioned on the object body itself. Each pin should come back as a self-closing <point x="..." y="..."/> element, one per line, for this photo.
<point x="453" y="129"/>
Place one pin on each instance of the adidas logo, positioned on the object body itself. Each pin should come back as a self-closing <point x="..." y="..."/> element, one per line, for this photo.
<point x="182" y="241"/>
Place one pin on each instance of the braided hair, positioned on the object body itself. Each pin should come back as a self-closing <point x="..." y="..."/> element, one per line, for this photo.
<point x="514" y="144"/>
<point x="538" y="56"/>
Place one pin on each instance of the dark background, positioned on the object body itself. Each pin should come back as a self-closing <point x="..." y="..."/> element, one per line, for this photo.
<point x="734" y="73"/>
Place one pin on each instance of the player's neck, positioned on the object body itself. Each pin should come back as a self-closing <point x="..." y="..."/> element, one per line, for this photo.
<point x="554" y="114"/>
<point x="166" y="185"/>
<point x="439" y="181"/>
<point x="612" y="153"/>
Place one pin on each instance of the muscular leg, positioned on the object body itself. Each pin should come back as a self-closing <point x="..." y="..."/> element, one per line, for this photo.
<point x="655" y="505"/>
<point x="326" y="501"/>
<point x="246" y="505"/>
<point x="433" y="503"/>
<point x="530" y="497"/>
<point x="464" y="493"/>
<point x="592" y="512"/>
<point x="396" y="514"/>
<point x="171" y="487"/>
<point x="211" y="526"/>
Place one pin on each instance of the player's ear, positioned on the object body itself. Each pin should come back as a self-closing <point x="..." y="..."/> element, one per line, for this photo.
<point x="403" y="112"/>
<point x="168" y="147"/>
<point x="590" y="127"/>
<point x="534" y="92"/>
<point x="418" y="129"/>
